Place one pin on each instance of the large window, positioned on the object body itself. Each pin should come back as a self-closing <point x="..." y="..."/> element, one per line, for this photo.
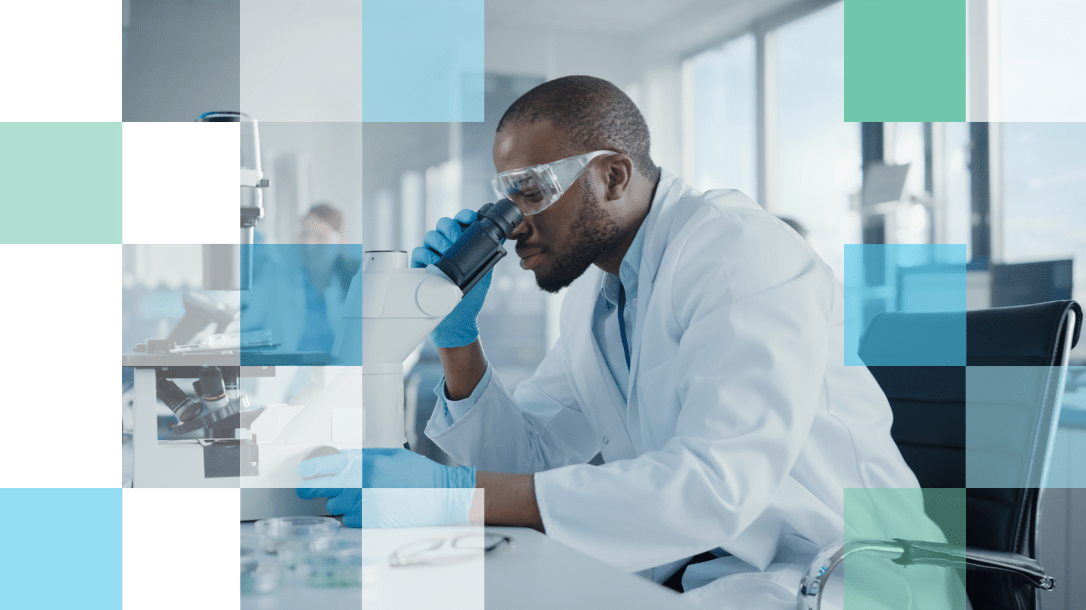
<point x="908" y="147"/>
<point x="819" y="160"/>
<point x="906" y="144"/>
<point x="1044" y="195"/>
<point x="957" y="155"/>
<point x="723" y="117"/>
<point x="1042" y="60"/>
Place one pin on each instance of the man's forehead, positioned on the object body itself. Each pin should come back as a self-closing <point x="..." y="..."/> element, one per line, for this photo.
<point x="314" y="222"/>
<point x="521" y="145"/>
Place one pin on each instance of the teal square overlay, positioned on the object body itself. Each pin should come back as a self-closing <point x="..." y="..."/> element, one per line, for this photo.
<point x="60" y="183"/>
<point x="874" y="518"/>
<point x="905" y="60"/>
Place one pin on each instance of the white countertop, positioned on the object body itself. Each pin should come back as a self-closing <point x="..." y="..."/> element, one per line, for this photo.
<point x="536" y="572"/>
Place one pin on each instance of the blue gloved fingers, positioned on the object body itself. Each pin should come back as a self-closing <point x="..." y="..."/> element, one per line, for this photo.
<point x="437" y="242"/>
<point x="466" y="216"/>
<point x="400" y="468"/>
<point x="422" y="256"/>
<point x="451" y="229"/>
<point x="315" y="491"/>
<point x="344" y="503"/>
<point x="379" y="469"/>
<point x="483" y="285"/>
<point x="412" y="507"/>
<point x="325" y="465"/>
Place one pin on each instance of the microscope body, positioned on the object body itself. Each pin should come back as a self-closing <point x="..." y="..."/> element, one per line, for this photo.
<point x="386" y="316"/>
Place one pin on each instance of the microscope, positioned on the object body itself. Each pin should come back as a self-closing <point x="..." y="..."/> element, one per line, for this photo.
<point x="394" y="307"/>
<point x="389" y="310"/>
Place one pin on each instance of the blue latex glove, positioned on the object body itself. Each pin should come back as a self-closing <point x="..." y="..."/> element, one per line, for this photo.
<point x="388" y="488"/>
<point x="459" y="328"/>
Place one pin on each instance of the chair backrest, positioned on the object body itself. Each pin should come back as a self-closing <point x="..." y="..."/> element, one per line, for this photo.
<point x="929" y="405"/>
<point x="929" y="402"/>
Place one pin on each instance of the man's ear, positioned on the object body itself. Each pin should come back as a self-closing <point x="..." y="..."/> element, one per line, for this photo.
<point x="619" y="175"/>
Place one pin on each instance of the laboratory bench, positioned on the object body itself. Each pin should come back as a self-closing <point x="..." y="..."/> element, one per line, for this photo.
<point x="534" y="572"/>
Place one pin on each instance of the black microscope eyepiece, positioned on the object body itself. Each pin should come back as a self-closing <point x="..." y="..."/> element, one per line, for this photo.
<point x="480" y="246"/>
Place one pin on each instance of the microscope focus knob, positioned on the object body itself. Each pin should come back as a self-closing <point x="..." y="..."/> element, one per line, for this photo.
<point x="437" y="296"/>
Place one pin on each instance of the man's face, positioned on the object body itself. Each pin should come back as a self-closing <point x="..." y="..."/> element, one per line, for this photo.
<point x="559" y="243"/>
<point x="320" y="245"/>
<point x="316" y="231"/>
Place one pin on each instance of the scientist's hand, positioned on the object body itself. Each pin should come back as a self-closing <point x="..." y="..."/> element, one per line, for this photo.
<point x="459" y="328"/>
<point x="389" y="488"/>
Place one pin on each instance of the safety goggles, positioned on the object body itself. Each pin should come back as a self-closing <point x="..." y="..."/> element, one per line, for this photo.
<point x="449" y="550"/>
<point x="533" y="189"/>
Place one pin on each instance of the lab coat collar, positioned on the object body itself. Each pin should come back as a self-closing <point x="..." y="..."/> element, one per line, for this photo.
<point x="657" y="231"/>
<point x="585" y="376"/>
<point x="628" y="271"/>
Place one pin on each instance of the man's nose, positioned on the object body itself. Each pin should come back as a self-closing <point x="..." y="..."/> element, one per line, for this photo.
<point x="522" y="230"/>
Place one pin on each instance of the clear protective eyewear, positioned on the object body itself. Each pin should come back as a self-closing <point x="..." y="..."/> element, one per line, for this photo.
<point x="533" y="189"/>
<point x="448" y="550"/>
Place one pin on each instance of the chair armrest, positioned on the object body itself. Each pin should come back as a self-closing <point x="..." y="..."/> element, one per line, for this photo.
<point x="917" y="552"/>
<point x="914" y="552"/>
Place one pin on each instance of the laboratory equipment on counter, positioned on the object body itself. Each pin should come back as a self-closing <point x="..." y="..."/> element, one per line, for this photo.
<point x="292" y="552"/>
<point x="278" y="531"/>
<point x="258" y="450"/>
<point x="201" y="310"/>
<point x="256" y="581"/>
<point x="340" y="566"/>
<point x="436" y="551"/>
<point x="230" y="266"/>
<point x="394" y="307"/>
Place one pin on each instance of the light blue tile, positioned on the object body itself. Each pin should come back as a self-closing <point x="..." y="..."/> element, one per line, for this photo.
<point x="905" y="278"/>
<point x="422" y="60"/>
<point x="67" y="553"/>
<point x="302" y="318"/>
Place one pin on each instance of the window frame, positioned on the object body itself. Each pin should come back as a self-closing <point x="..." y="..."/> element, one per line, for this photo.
<point x="985" y="162"/>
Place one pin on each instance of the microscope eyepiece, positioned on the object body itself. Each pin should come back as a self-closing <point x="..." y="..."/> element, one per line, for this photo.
<point x="480" y="246"/>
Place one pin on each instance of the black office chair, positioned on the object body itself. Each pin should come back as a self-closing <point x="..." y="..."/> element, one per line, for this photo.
<point x="929" y="405"/>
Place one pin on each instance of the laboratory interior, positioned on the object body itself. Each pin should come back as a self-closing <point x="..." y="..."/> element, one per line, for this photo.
<point x="236" y="357"/>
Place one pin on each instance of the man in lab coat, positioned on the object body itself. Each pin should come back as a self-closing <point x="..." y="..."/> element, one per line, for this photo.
<point x="701" y="352"/>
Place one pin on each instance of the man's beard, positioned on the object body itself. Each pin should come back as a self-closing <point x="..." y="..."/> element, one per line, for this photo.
<point x="593" y="234"/>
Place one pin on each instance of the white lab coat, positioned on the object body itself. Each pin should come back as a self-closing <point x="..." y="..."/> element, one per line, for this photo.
<point x="742" y="428"/>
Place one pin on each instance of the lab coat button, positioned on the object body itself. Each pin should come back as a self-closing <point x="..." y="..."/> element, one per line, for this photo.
<point x="605" y="441"/>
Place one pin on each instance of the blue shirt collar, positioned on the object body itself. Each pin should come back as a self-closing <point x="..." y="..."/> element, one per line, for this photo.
<point x="627" y="271"/>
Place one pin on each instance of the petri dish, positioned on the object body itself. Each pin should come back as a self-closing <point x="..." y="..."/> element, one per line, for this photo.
<point x="255" y="581"/>
<point x="292" y="552"/>
<point x="280" y="530"/>
<point x="249" y="560"/>
<point x="341" y="565"/>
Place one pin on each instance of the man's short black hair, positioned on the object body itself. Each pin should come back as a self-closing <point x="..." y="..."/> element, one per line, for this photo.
<point x="592" y="114"/>
<point x="328" y="214"/>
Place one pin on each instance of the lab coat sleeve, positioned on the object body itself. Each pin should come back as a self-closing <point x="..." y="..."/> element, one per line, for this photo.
<point x="541" y="427"/>
<point x="458" y="408"/>
<point x="750" y="314"/>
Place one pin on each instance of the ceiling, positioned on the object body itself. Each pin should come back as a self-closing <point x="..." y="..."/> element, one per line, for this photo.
<point x="634" y="17"/>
